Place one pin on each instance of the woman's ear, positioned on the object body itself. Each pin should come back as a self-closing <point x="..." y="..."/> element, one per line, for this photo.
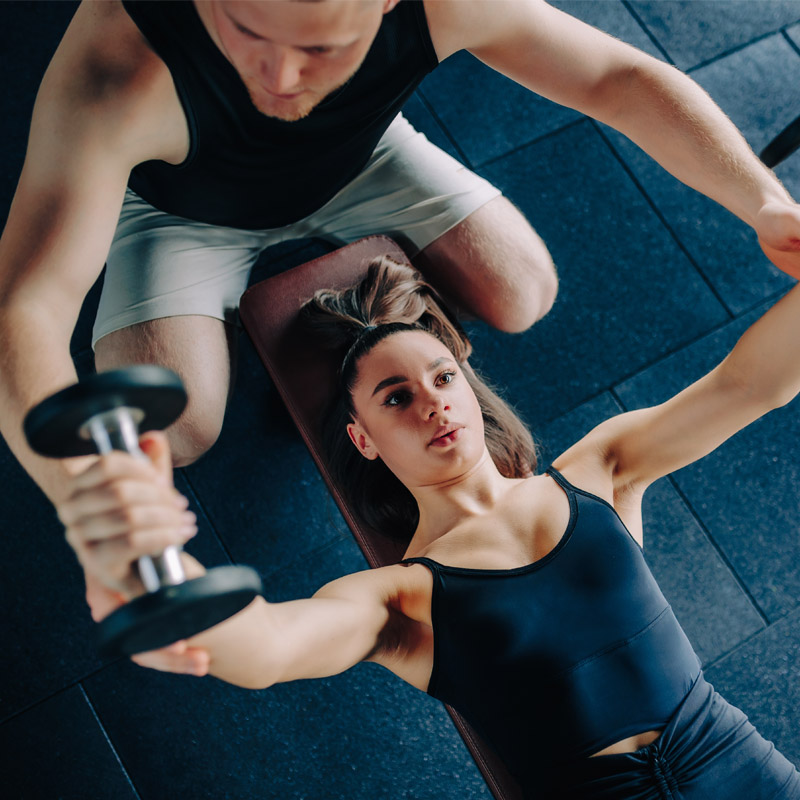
<point x="360" y="438"/>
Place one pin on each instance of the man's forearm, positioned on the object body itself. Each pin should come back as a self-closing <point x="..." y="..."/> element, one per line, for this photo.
<point x="676" y="122"/>
<point x="34" y="362"/>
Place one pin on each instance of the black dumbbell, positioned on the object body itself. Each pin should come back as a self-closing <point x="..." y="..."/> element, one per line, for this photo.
<point x="107" y="412"/>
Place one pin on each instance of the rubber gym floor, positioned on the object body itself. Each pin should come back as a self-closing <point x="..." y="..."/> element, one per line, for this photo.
<point x="657" y="283"/>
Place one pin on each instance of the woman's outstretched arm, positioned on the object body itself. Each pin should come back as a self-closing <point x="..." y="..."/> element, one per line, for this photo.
<point x="122" y="508"/>
<point x="761" y="373"/>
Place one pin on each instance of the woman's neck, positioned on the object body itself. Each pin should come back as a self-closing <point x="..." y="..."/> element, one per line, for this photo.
<point x="445" y="505"/>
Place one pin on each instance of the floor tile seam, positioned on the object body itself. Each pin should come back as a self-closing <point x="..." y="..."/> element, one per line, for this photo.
<point x="205" y="511"/>
<point x="110" y="743"/>
<point x="659" y="359"/>
<point x="650" y="35"/>
<point x="792" y="43"/>
<point x="721" y="553"/>
<point x="765" y="302"/>
<point x="306" y="555"/>
<point x="663" y="220"/>
<point x="719" y="660"/>
<point x="582" y="118"/>
<point x="738" y="48"/>
<point x="574" y="408"/>
<point x="61" y="689"/>
<point x="440" y="122"/>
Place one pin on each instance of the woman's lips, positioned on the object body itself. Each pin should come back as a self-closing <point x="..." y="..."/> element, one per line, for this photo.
<point x="446" y="438"/>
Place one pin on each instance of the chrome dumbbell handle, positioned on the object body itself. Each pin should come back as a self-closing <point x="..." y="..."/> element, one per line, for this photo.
<point x="118" y="429"/>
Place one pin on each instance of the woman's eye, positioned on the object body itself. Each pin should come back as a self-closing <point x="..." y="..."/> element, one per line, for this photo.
<point x="396" y="399"/>
<point x="447" y="377"/>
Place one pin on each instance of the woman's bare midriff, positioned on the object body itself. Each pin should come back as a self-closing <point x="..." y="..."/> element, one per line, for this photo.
<point x="629" y="745"/>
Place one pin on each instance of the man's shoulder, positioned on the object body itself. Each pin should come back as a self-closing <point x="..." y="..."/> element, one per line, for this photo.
<point x="463" y="24"/>
<point x="104" y="56"/>
<point x="105" y="69"/>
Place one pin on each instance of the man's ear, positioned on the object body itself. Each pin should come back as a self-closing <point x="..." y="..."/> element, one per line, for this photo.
<point x="358" y="436"/>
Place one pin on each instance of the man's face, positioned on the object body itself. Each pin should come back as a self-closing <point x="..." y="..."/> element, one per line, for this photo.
<point x="291" y="55"/>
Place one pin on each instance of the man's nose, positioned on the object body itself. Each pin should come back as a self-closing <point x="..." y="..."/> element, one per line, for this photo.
<point x="280" y="70"/>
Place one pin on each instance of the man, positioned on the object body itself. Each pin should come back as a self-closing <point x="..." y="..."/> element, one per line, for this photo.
<point x="177" y="141"/>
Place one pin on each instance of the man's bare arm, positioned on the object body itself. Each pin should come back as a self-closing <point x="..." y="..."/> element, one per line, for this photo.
<point x="665" y="112"/>
<point x="96" y="116"/>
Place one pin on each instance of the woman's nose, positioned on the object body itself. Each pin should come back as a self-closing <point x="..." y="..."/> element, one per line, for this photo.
<point x="434" y="404"/>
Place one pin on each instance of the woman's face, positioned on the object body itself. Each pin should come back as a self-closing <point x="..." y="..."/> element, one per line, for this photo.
<point x="416" y="411"/>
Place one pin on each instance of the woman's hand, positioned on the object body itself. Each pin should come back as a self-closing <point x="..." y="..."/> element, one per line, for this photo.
<point x="122" y="508"/>
<point x="778" y="228"/>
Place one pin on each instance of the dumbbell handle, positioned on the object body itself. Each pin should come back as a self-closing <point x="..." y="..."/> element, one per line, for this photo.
<point x="117" y="429"/>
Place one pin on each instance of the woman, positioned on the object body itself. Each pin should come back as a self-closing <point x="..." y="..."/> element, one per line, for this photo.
<point x="523" y="601"/>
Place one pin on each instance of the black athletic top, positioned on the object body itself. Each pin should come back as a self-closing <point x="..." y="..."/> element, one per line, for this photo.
<point x="554" y="661"/>
<point x="247" y="170"/>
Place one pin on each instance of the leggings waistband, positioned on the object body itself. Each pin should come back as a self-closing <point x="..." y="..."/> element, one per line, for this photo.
<point x="707" y="751"/>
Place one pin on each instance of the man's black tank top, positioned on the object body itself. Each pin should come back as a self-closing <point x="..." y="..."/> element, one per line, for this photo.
<point x="247" y="170"/>
<point x="554" y="661"/>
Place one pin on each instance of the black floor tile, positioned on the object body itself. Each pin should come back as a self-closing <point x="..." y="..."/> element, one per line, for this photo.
<point x="710" y="603"/>
<point x="758" y="87"/>
<point x="627" y="293"/>
<point x="794" y="34"/>
<point x="745" y="492"/>
<point x="612" y="17"/>
<point x="695" y="31"/>
<point x="723" y="247"/>
<point x="58" y="750"/>
<point x="488" y="115"/>
<point x="707" y="599"/>
<point x="29" y="36"/>
<point x="485" y="113"/>
<point x="763" y="679"/>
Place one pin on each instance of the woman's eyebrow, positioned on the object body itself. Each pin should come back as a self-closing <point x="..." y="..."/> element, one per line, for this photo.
<point x="395" y="379"/>
<point x="389" y="382"/>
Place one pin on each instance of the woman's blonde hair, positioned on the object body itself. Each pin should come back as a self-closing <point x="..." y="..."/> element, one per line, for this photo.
<point x="393" y="297"/>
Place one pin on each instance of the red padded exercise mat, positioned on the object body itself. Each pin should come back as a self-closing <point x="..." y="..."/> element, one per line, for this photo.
<point x="305" y="377"/>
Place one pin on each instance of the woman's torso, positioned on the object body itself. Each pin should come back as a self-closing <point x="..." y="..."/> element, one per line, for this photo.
<point x="526" y="618"/>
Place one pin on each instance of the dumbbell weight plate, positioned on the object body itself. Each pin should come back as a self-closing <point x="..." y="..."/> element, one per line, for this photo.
<point x="53" y="427"/>
<point x="178" y="612"/>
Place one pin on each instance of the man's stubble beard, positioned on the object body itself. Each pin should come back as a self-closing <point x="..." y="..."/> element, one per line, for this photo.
<point x="257" y="95"/>
<point x="270" y="107"/>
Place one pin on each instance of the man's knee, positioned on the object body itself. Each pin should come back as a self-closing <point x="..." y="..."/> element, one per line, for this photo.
<point x="202" y="351"/>
<point x="532" y="294"/>
<point x="494" y="266"/>
<point x="192" y="436"/>
<point x="522" y="288"/>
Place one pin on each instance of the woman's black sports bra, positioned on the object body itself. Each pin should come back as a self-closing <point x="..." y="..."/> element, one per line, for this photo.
<point x="559" y="659"/>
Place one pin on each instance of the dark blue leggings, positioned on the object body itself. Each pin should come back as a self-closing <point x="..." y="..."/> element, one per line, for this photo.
<point x="709" y="750"/>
